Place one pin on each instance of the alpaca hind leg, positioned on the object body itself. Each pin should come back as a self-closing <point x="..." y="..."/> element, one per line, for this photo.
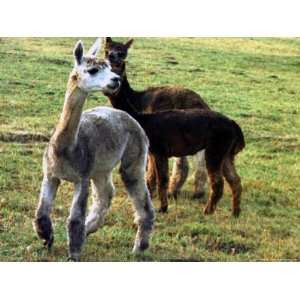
<point x="76" y="220"/>
<point x="179" y="175"/>
<point x="42" y="222"/>
<point x="151" y="175"/>
<point x="200" y="177"/>
<point x="234" y="182"/>
<point x="217" y="187"/>
<point x="103" y="191"/>
<point x="214" y="162"/>
<point x="133" y="176"/>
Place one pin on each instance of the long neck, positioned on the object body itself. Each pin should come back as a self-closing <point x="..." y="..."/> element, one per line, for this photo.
<point x="124" y="99"/>
<point x="135" y="98"/>
<point x="65" y="135"/>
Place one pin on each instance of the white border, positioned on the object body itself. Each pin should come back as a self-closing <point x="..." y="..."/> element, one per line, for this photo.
<point x="150" y="18"/>
<point x="145" y="281"/>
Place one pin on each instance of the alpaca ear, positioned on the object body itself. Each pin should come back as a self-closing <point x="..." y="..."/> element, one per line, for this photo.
<point x="129" y="43"/>
<point x="94" y="50"/>
<point x="78" y="52"/>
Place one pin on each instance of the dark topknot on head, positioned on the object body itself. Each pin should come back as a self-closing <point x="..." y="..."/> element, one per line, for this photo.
<point x="116" y="52"/>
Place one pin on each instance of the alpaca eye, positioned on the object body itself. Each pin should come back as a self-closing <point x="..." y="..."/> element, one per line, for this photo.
<point x="93" y="71"/>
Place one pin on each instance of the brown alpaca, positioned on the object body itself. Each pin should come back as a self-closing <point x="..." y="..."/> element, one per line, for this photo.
<point x="185" y="132"/>
<point x="161" y="99"/>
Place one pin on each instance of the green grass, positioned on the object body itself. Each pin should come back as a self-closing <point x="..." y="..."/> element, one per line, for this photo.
<point x="253" y="80"/>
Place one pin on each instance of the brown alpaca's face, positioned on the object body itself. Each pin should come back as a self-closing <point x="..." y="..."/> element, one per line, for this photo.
<point x="116" y="52"/>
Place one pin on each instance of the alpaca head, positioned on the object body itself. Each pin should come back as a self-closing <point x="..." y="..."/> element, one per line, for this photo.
<point x="116" y="52"/>
<point x="91" y="73"/>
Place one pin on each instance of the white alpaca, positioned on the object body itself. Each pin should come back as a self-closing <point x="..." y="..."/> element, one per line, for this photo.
<point x="87" y="146"/>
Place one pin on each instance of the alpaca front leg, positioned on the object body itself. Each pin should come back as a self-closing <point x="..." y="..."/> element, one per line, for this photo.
<point x="162" y="174"/>
<point x="151" y="175"/>
<point x="76" y="220"/>
<point x="179" y="175"/>
<point x="200" y="177"/>
<point x="42" y="222"/>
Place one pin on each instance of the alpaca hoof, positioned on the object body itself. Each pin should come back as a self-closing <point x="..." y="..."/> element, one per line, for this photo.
<point x="89" y="231"/>
<point x="163" y="209"/>
<point x="173" y="195"/>
<point x="236" y="212"/>
<point x="140" y="247"/>
<point x="88" y="234"/>
<point x="208" y="210"/>
<point x="72" y="259"/>
<point x="43" y="228"/>
<point x="198" y="195"/>
<point x="49" y="243"/>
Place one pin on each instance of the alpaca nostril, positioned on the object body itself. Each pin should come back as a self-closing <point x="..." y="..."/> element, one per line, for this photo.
<point x="112" y="57"/>
<point x="115" y="83"/>
<point x="116" y="80"/>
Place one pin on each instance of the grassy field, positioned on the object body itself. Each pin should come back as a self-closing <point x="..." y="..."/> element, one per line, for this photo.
<point x="254" y="81"/>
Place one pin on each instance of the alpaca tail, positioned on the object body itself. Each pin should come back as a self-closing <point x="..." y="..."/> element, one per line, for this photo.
<point x="240" y="143"/>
